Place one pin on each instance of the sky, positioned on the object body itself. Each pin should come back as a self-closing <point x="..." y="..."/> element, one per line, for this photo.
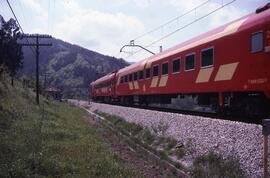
<point x="105" y="26"/>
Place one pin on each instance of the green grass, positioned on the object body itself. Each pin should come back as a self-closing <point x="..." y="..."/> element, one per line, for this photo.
<point x="52" y="142"/>
<point x="171" y="143"/>
<point x="213" y="165"/>
<point x="136" y="131"/>
<point x="159" y="145"/>
<point x="206" y="166"/>
<point x="180" y="153"/>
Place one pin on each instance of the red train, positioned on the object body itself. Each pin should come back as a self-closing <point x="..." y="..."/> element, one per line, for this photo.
<point x="226" y="69"/>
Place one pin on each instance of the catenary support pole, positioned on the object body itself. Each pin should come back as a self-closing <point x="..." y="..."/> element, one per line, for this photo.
<point x="266" y="132"/>
<point x="265" y="156"/>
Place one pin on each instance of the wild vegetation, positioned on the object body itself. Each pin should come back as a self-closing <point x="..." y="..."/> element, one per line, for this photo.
<point x="71" y="68"/>
<point x="51" y="140"/>
<point x="162" y="146"/>
<point x="10" y="51"/>
<point x="209" y="165"/>
<point x="213" y="165"/>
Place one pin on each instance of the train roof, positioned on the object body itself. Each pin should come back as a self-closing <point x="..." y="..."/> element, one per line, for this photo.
<point x="103" y="79"/>
<point x="133" y="67"/>
<point x="227" y="29"/>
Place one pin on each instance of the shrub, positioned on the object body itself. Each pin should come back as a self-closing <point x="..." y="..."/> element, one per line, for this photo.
<point x="213" y="165"/>
<point x="180" y="153"/>
<point x="161" y="128"/>
<point x="170" y="143"/>
<point x="148" y="137"/>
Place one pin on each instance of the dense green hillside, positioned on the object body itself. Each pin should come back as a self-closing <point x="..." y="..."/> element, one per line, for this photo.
<point x="70" y="67"/>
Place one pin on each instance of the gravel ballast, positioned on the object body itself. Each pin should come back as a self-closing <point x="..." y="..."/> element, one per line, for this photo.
<point x="228" y="138"/>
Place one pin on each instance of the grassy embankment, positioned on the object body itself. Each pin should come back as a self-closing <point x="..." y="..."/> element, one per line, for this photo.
<point x="51" y="140"/>
<point x="208" y="165"/>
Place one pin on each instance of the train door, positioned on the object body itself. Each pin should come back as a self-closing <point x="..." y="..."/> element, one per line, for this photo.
<point x="267" y="58"/>
<point x="113" y="86"/>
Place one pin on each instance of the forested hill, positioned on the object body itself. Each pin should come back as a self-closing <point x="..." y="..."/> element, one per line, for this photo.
<point x="70" y="67"/>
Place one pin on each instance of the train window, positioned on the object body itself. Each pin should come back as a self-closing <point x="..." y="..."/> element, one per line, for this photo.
<point x="135" y="76"/>
<point x="122" y="80"/>
<point x="190" y="62"/>
<point x="130" y="77"/>
<point x="126" y="78"/>
<point x="165" y="68"/>
<point x="207" y="57"/>
<point x="147" y="73"/>
<point x="155" y="70"/>
<point x="176" y="65"/>
<point x="257" y="42"/>
<point x="141" y="74"/>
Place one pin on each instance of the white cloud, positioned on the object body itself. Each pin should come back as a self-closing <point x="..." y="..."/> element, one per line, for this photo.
<point x="35" y="5"/>
<point x="106" y="31"/>
<point x="185" y="5"/>
<point x="138" y="3"/>
<point x="39" y="15"/>
<point x="224" y="15"/>
<point x="96" y="30"/>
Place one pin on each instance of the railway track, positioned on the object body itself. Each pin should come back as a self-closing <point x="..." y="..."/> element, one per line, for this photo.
<point x="242" y="140"/>
<point x="197" y="113"/>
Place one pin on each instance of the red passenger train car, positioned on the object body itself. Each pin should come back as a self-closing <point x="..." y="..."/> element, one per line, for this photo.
<point x="226" y="69"/>
<point x="103" y="89"/>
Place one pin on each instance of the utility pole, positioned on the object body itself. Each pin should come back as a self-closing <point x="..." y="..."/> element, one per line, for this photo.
<point x="45" y="79"/>
<point x="45" y="84"/>
<point x="37" y="45"/>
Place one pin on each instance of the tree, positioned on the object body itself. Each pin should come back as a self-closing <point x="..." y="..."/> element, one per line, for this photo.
<point x="11" y="54"/>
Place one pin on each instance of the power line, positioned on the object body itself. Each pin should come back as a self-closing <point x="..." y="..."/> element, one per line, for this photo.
<point x="23" y="14"/>
<point x="15" y="16"/>
<point x="19" y="2"/>
<point x="192" y="22"/>
<point x="18" y="23"/>
<point x="37" y="44"/>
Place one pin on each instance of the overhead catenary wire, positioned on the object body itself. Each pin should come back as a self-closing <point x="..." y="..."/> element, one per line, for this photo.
<point x="192" y="22"/>
<point x="172" y="20"/>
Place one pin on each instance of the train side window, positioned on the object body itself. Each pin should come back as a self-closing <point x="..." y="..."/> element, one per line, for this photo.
<point x="122" y="80"/>
<point x="148" y="73"/>
<point x="130" y="77"/>
<point x="155" y="70"/>
<point x="257" y="42"/>
<point x="165" y="68"/>
<point x="135" y="76"/>
<point x="141" y="75"/>
<point x="126" y="78"/>
<point x="176" y="65"/>
<point x="190" y="62"/>
<point x="207" y="57"/>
